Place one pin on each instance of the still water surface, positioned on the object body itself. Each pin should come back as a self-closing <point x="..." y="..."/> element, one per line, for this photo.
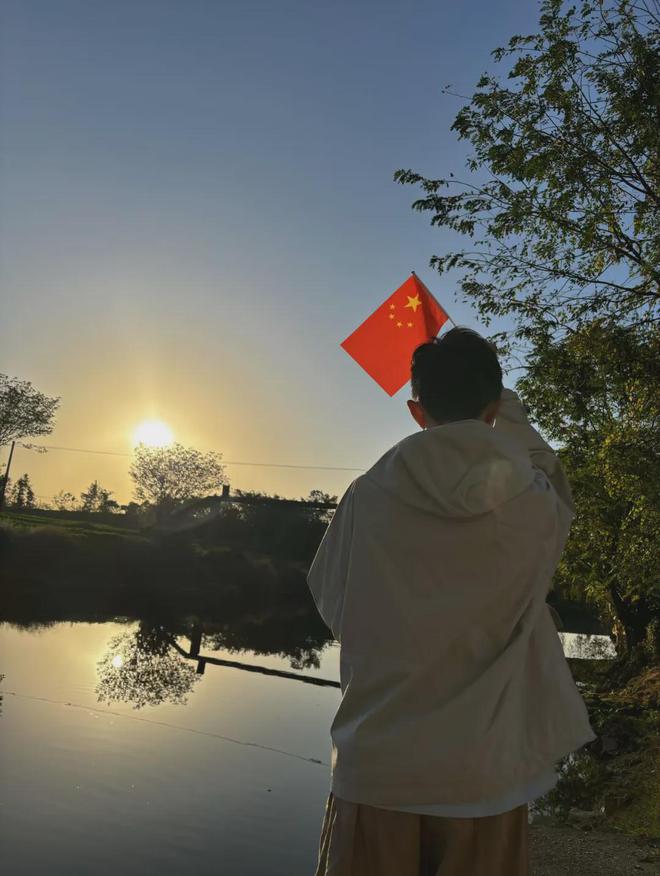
<point x="118" y="758"/>
<point x="92" y="788"/>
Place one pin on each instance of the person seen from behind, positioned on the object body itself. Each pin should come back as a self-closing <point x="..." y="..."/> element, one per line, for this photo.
<point x="457" y="701"/>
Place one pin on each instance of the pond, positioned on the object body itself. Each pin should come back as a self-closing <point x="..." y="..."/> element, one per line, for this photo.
<point x="214" y="774"/>
<point x="125" y="751"/>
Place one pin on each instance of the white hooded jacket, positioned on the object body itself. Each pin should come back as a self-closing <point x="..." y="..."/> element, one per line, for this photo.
<point x="433" y="577"/>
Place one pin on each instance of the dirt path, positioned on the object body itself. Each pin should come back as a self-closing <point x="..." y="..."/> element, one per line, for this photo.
<point x="563" y="851"/>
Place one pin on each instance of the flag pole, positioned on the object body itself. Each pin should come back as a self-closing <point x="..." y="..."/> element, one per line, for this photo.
<point x="441" y="306"/>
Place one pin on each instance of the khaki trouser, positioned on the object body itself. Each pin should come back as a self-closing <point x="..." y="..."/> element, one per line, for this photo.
<point x="360" y="840"/>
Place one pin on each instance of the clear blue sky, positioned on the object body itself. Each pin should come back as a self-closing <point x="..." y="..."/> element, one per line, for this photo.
<point x="197" y="207"/>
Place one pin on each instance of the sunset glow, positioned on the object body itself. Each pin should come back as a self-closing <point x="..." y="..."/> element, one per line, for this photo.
<point x="153" y="433"/>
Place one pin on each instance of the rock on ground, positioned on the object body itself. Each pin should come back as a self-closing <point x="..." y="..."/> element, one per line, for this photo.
<point x="563" y="851"/>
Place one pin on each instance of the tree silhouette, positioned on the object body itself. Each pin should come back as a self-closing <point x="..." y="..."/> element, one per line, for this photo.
<point x="166" y="475"/>
<point x="96" y="498"/>
<point x="24" y="411"/>
<point x="22" y="494"/>
<point x="64" y="501"/>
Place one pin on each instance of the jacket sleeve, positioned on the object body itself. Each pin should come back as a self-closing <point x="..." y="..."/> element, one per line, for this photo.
<point x="512" y="420"/>
<point x="329" y="569"/>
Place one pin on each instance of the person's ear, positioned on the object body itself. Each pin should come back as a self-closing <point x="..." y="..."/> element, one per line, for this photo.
<point x="491" y="411"/>
<point x="417" y="412"/>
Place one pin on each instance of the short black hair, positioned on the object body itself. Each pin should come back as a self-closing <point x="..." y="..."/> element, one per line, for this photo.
<point x="455" y="376"/>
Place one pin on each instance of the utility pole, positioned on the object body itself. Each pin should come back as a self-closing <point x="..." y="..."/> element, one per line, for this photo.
<point x="3" y="485"/>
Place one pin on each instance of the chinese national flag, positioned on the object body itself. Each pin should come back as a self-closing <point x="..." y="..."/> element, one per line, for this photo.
<point x="383" y="345"/>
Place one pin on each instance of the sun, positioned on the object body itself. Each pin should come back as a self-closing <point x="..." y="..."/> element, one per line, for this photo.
<point x="153" y="433"/>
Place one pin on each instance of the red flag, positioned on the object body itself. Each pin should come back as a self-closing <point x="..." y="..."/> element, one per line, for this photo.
<point x="383" y="345"/>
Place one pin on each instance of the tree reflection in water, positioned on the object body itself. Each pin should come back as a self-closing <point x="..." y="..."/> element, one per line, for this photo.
<point x="147" y="666"/>
<point x="141" y="668"/>
<point x="291" y="634"/>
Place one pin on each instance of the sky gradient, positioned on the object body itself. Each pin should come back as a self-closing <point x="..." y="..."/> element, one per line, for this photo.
<point x="197" y="208"/>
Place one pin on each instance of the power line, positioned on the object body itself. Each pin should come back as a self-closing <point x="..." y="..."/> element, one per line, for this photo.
<point x="287" y="465"/>
<point x="86" y="450"/>
<point x="224" y="462"/>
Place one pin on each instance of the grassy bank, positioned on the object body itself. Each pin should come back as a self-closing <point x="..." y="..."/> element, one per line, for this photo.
<point x="614" y="782"/>
<point x="88" y="572"/>
<point x="66" y="522"/>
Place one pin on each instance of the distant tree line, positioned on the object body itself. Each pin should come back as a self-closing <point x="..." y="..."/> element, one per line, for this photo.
<point x="95" y="499"/>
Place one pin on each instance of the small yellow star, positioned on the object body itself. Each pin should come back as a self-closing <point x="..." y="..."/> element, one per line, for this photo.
<point x="399" y="324"/>
<point x="410" y="325"/>
<point x="413" y="303"/>
<point x="392" y="306"/>
<point x="391" y="316"/>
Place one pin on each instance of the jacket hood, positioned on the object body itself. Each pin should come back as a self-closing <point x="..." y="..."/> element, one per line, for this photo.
<point x="460" y="469"/>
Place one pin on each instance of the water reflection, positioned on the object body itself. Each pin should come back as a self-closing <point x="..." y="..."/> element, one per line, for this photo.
<point x="161" y="662"/>
<point x="580" y="646"/>
<point x="141" y="668"/>
<point x="238" y="775"/>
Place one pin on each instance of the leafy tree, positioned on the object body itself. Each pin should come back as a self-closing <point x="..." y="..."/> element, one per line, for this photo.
<point x="259" y="523"/>
<point x="97" y="499"/>
<point x="133" y="510"/>
<point x="322" y="514"/>
<point x="64" y="501"/>
<point x="561" y="214"/>
<point x="562" y="211"/>
<point x="605" y="412"/>
<point x="282" y="528"/>
<point x="22" y="495"/>
<point x="24" y="411"/>
<point x="164" y="476"/>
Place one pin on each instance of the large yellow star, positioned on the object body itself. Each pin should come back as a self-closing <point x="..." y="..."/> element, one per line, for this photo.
<point x="413" y="303"/>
